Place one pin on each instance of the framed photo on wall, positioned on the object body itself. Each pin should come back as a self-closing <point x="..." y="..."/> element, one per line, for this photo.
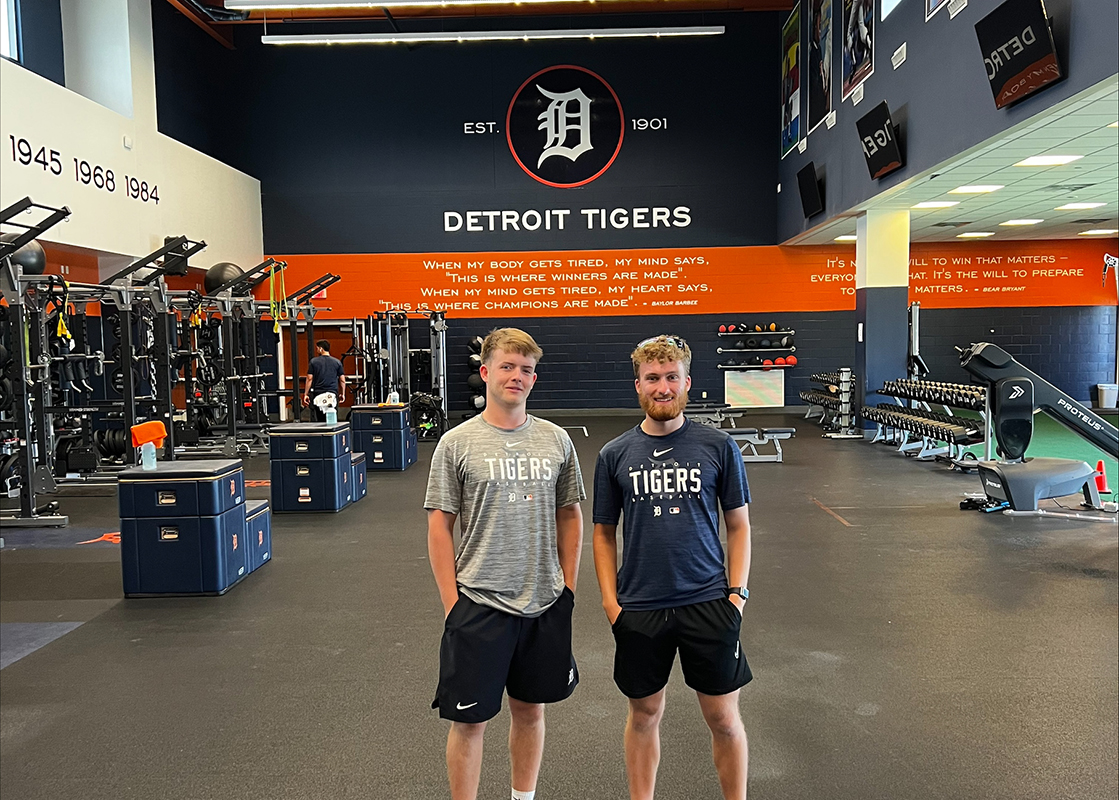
<point x="790" y="82"/>
<point x="819" y="62"/>
<point x="858" y="43"/>
<point x="932" y="6"/>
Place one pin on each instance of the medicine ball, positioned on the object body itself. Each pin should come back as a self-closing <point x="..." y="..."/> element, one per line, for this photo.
<point x="779" y="362"/>
<point x="791" y="361"/>
<point x="767" y="365"/>
<point x="220" y="273"/>
<point x="31" y="258"/>
<point x="475" y="382"/>
<point x="475" y="344"/>
<point x="475" y="361"/>
<point x="752" y="343"/>
<point x="766" y="343"/>
<point x="722" y="329"/>
<point x="478" y="401"/>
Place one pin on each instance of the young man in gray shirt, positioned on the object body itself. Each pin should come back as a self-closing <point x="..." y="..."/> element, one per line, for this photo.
<point x="514" y="484"/>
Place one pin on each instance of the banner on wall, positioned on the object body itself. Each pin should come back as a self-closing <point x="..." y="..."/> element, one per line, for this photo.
<point x="858" y="43"/>
<point x="712" y="280"/>
<point x="819" y="62"/>
<point x="790" y="82"/>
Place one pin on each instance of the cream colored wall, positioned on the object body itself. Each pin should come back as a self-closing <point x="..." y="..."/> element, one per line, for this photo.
<point x="198" y="196"/>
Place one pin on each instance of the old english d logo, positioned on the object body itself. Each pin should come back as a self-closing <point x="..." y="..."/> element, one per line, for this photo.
<point x="565" y="126"/>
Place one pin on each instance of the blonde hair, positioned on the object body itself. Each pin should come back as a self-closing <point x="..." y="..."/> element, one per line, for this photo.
<point x="511" y="340"/>
<point x="663" y="348"/>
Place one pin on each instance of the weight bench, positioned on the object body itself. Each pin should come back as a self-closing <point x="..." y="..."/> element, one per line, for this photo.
<point x="748" y="440"/>
<point x="714" y="414"/>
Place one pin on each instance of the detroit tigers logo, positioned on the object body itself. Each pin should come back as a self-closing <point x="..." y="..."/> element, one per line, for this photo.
<point x="565" y="126"/>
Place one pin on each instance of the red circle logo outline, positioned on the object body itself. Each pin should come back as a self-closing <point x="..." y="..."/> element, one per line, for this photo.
<point x="621" y="119"/>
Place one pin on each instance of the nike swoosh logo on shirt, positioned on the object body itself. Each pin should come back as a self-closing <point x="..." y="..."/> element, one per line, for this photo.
<point x="513" y="444"/>
<point x="659" y="453"/>
<point x="461" y="707"/>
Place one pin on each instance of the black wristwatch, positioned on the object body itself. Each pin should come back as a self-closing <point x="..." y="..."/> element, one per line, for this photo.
<point x="741" y="591"/>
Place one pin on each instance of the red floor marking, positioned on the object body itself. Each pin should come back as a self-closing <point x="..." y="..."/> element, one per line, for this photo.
<point x="113" y="537"/>
<point x="254" y="484"/>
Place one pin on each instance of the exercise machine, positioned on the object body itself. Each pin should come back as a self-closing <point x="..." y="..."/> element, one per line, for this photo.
<point x="1018" y="483"/>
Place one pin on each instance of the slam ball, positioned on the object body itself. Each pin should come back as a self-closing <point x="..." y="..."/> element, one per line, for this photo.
<point x="475" y="344"/>
<point x="475" y="382"/>
<point x="220" y="273"/>
<point x="31" y="258"/>
<point x="791" y="361"/>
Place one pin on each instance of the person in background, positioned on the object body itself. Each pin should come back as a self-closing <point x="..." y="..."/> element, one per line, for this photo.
<point x="325" y="375"/>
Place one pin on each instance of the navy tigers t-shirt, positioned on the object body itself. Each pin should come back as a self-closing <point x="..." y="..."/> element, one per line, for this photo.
<point x="669" y="489"/>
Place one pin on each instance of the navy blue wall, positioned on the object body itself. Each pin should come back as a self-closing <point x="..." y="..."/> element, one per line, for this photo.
<point x="1071" y="347"/>
<point x="362" y="149"/>
<point x="940" y="96"/>
<point x="40" y="39"/>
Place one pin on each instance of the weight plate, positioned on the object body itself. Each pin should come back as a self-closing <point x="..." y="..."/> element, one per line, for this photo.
<point x="116" y="380"/>
<point x="6" y="397"/>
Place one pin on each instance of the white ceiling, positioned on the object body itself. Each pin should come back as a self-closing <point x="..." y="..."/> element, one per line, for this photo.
<point x="1076" y="127"/>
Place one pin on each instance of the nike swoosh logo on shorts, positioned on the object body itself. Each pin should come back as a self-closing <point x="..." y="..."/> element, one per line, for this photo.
<point x="659" y="453"/>
<point x="461" y="707"/>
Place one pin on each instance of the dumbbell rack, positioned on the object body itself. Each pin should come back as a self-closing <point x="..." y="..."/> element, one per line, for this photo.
<point x="836" y="409"/>
<point x="916" y="429"/>
<point x="743" y="336"/>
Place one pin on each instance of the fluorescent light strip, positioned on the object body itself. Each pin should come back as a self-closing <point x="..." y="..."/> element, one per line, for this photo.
<point x="491" y="36"/>
<point x="1010" y="222"/>
<point x="937" y="204"/>
<point x="975" y="235"/>
<point x="292" y="5"/>
<point x="1099" y="232"/>
<point x="983" y="189"/>
<point x="1047" y="161"/>
<point x="847" y="237"/>
<point x="1079" y="206"/>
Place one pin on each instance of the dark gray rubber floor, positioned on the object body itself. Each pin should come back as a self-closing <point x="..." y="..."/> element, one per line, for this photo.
<point x="902" y="648"/>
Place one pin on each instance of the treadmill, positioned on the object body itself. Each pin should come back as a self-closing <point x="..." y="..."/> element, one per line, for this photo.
<point x="1019" y="483"/>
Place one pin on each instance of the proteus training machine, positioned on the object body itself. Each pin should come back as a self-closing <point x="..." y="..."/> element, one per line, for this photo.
<point x="1018" y="483"/>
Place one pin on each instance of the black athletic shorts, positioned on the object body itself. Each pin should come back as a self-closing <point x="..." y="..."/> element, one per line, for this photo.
<point x="707" y="636"/>
<point x="486" y="652"/>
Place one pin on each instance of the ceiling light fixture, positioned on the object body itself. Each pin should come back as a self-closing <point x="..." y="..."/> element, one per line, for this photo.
<point x="1010" y="222"/>
<point x="937" y="204"/>
<point x="975" y="235"/>
<point x="1114" y="125"/>
<point x="489" y="36"/>
<point x="983" y="189"/>
<point x="847" y="237"/>
<point x="291" y="5"/>
<point x="1079" y="206"/>
<point x="1047" y="161"/>
<point x="1099" y="232"/>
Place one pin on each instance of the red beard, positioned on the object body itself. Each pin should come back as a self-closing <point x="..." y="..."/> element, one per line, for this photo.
<point x="663" y="412"/>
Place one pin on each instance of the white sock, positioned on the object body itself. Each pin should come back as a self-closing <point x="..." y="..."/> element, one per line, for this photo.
<point x="524" y="795"/>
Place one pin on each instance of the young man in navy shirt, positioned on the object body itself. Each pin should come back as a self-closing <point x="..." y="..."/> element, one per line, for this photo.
<point x="668" y="477"/>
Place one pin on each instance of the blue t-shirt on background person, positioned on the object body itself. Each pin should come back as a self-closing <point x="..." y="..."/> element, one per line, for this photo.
<point x="325" y="371"/>
<point x="669" y="489"/>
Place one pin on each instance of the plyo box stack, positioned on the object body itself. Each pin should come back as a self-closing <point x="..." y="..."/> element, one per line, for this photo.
<point x="384" y="433"/>
<point x="312" y="467"/>
<point x="184" y="529"/>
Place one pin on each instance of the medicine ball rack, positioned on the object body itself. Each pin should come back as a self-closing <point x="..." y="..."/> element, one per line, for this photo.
<point x="751" y="342"/>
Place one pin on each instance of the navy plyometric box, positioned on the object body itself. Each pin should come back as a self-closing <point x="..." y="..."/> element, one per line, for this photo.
<point x="375" y="418"/>
<point x="258" y="533"/>
<point x="312" y="484"/>
<point x="181" y="489"/>
<point x="357" y="471"/>
<point x="389" y="449"/>
<point x="305" y="440"/>
<point x="183" y="555"/>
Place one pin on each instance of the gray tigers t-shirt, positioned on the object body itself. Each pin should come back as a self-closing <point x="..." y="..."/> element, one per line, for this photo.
<point x="505" y="487"/>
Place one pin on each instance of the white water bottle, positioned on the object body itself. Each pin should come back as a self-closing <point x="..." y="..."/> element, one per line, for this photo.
<point x="394" y="397"/>
<point x="147" y="455"/>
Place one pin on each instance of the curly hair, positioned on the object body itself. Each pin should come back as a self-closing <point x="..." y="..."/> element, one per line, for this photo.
<point x="663" y="348"/>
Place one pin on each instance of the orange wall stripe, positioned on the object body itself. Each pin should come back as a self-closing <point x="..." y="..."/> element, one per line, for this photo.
<point x="712" y="280"/>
